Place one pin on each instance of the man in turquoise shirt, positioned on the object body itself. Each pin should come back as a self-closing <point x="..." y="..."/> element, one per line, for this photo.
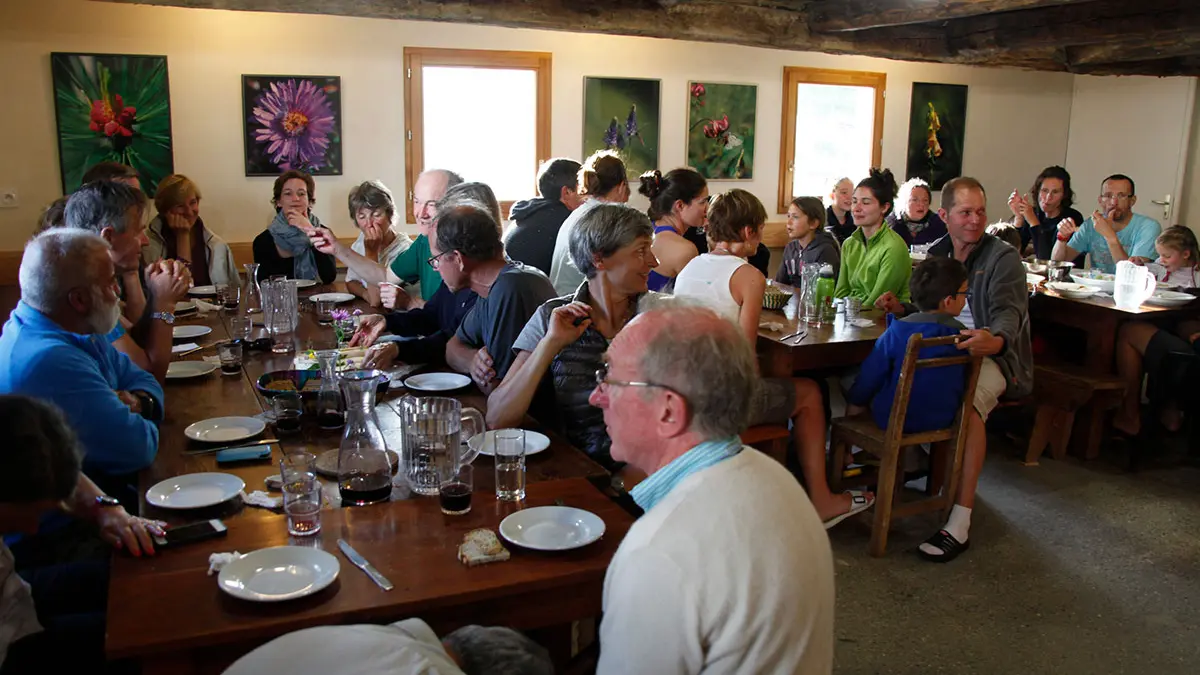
<point x="1113" y="233"/>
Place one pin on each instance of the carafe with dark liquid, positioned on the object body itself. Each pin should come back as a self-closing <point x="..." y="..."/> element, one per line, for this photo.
<point x="364" y="468"/>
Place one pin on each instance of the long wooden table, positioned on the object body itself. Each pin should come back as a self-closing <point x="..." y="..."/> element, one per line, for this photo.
<point x="168" y="613"/>
<point x="835" y="344"/>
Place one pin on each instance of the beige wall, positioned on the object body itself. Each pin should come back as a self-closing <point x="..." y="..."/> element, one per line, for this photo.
<point x="1189" y="207"/>
<point x="1017" y="121"/>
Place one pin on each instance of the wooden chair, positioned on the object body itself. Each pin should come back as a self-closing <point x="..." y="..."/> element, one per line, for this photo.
<point x="888" y="444"/>
<point x="1061" y="391"/>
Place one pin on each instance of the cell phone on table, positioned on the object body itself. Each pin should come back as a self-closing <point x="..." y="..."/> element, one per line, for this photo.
<point x="192" y="532"/>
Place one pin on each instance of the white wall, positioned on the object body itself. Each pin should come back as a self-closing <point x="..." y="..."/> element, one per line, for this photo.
<point x="1017" y="121"/>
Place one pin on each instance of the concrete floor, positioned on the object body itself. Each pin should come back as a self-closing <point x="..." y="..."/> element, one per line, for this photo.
<point x="1074" y="568"/>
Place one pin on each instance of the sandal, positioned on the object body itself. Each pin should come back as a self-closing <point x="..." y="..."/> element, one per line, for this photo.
<point x="951" y="548"/>
<point x="859" y="502"/>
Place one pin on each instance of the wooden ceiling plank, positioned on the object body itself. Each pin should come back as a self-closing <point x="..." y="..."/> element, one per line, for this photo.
<point x="829" y="16"/>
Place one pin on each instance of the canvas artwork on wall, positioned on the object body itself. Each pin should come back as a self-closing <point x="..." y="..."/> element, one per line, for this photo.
<point x="292" y="122"/>
<point x="721" y="126"/>
<point x="937" y="125"/>
<point x="112" y="108"/>
<point x="622" y="114"/>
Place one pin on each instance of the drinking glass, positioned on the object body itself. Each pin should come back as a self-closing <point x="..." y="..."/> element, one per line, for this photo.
<point x="853" y="307"/>
<point x="296" y="465"/>
<point x="454" y="492"/>
<point x="241" y="327"/>
<point x="325" y="312"/>
<point x="288" y="408"/>
<point x="230" y="353"/>
<point x="509" y="448"/>
<point x="279" y="314"/>
<point x="302" y="504"/>
<point x="232" y="296"/>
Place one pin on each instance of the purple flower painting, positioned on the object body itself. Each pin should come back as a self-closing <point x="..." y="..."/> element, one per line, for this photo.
<point x="622" y="114"/>
<point x="292" y="122"/>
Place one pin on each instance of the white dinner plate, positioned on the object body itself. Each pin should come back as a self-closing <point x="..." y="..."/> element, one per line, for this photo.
<point x="189" y="332"/>
<point x="278" y="573"/>
<point x="1073" y="291"/>
<point x="437" y="381"/>
<point x="1169" y="298"/>
<point x="185" y="307"/>
<point x="202" y="290"/>
<point x="1035" y="279"/>
<point x="225" y="429"/>
<point x="334" y="297"/>
<point x="552" y="528"/>
<point x="195" y="490"/>
<point x="534" y="442"/>
<point x="181" y="370"/>
<point x="305" y="283"/>
<point x="1099" y="284"/>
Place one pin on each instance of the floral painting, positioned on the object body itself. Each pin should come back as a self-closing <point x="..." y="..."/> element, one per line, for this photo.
<point x="112" y="108"/>
<point x="937" y="125"/>
<point x="292" y="122"/>
<point x="721" y="129"/>
<point x="622" y="114"/>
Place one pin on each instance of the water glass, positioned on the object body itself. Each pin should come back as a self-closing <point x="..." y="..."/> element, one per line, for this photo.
<point x="509" y="448"/>
<point x="297" y="465"/>
<point x="454" y="492"/>
<point x="230" y="353"/>
<point x="302" y="504"/>
<point x="325" y="311"/>
<point x="241" y="327"/>
<point x="853" y="307"/>
<point x="227" y="296"/>
<point x="288" y="408"/>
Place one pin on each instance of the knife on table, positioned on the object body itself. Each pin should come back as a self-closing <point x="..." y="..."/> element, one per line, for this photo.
<point x="205" y="451"/>
<point x="362" y="564"/>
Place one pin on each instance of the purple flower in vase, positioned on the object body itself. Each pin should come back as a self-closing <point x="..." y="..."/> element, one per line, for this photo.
<point x="339" y="314"/>
<point x="295" y="119"/>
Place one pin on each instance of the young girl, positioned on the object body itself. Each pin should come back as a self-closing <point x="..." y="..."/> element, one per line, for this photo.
<point x="1178" y="258"/>
<point x="808" y="240"/>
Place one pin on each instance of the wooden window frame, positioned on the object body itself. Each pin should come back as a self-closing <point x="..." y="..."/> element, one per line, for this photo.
<point x="793" y="76"/>
<point x="416" y="58"/>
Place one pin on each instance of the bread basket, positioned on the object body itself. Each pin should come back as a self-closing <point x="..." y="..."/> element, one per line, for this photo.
<point x="774" y="298"/>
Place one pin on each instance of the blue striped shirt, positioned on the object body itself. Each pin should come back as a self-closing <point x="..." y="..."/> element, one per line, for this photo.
<point x="660" y="483"/>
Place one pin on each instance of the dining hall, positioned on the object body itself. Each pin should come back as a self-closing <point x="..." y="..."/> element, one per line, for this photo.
<point x="706" y="336"/>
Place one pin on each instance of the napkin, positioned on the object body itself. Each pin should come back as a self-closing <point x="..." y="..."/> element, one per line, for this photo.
<point x="262" y="500"/>
<point x="218" y="560"/>
<point x="175" y="349"/>
<point x="772" y="326"/>
<point x="206" y="307"/>
<point x="861" y="322"/>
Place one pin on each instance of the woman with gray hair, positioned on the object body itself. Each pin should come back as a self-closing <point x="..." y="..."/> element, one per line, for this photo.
<point x="373" y="211"/>
<point x="563" y="343"/>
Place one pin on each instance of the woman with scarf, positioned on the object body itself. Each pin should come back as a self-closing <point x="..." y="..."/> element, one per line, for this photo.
<point x="178" y="233"/>
<point x="913" y="219"/>
<point x="284" y="247"/>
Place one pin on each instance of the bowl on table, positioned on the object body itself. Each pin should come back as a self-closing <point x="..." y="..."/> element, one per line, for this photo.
<point x="1072" y="290"/>
<point x="306" y="382"/>
<point x="1164" y="298"/>
<point x="1098" y="280"/>
<point x="1035" y="266"/>
<point x="1059" y="270"/>
<point x="775" y="298"/>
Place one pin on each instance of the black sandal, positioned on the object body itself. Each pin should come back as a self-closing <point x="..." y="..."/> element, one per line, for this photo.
<point x="951" y="548"/>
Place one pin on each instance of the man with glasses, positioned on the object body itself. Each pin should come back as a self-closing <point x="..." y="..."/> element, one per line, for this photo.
<point x="1113" y="233"/>
<point x="729" y="569"/>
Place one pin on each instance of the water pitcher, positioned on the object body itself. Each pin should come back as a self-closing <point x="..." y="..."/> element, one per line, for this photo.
<point x="809" y="305"/>
<point x="432" y="445"/>
<point x="280" y="313"/>
<point x="251" y="293"/>
<point x="1133" y="285"/>
<point x="364" y="467"/>
<point x="330" y="414"/>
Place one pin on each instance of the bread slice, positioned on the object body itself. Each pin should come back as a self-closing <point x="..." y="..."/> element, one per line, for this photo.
<point x="480" y="547"/>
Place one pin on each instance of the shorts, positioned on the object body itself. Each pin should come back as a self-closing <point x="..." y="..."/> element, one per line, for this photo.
<point x="990" y="388"/>
<point x="774" y="401"/>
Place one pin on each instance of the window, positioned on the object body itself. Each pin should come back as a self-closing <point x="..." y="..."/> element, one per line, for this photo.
<point x="832" y="127"/>
<point x="482" y="114"/>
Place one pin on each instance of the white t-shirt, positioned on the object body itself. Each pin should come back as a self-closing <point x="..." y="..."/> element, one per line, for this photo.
<point x="706" y="279"/>
<point x="399" y="245"/>
<point x="730" y="572"/>
<point x="563" y="273"/>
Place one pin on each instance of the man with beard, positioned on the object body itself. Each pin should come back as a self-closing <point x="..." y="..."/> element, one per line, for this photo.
<point x="1113" y="233"/>
<point x="54" y="347"/>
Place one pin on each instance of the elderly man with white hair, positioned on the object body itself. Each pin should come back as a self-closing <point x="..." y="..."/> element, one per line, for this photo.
<point x="53" y="347"/>
<point x="729" y="570"/>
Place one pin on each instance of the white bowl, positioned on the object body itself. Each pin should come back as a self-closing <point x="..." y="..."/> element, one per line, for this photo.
<point x="552" y="528"/>
<point x="1072" y="291"/>
<point x="279" y="573"/>
<point x="1099" y="283"/>
<point x="1170" y="299"/>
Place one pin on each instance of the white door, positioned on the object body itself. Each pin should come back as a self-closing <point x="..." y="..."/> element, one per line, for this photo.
<point x="1138" y="126"/>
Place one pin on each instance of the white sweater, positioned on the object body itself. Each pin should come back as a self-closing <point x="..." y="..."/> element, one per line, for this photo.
<point x="730" y="573"/>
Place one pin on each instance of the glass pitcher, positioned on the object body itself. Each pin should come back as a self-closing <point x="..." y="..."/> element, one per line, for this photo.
<point x="329" y="397"/>
<point x="432" y="438"/>
<point x="809" y="302"/>
<point x="251" y="293"/>
<point x="364" y="466"/>
<point x="280" y="313"/>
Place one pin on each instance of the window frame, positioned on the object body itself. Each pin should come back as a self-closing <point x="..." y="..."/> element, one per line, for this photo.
<point x="796" y="75"/>
<point x="416" y="58"/>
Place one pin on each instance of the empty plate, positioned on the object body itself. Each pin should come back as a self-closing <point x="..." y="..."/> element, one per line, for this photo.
<point x="194" y="490"/>
<point x="1169" y="298"/>
<point x="534" y="442"/>
<point x="305" y="283"/>
<point x="278" y="573"/>
<point x="437" y="381"/>
<point x="332" y="297"/>
<point x="224" y="429"/>
<point x="189" y="332"/>
<point x="202" y="290"/>
<point x="180" y="370"/>
<point x="552" y="528"/>
<point x="185" y="307"/>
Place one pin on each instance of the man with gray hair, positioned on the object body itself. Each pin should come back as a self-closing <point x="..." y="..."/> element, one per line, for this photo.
<point x="53" y="347"/>
<point x="729" y="570"/>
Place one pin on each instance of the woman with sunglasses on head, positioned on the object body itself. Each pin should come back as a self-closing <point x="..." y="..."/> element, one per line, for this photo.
<point x="678" y="202"/>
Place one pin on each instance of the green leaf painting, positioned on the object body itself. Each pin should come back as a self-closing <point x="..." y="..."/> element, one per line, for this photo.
<point x="112" y="108"/>
<point x="622" y="115"/>
<point x="721" y="129"/>
<point x="937" y="126"/>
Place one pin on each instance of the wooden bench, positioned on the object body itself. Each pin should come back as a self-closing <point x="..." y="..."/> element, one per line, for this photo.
<point x="1059" y="392"/>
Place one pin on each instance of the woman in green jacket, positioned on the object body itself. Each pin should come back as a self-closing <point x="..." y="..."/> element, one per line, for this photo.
<point x="875" y="259"/>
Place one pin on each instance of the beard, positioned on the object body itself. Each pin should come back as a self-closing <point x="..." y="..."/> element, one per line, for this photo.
<point x="104" y="316"/>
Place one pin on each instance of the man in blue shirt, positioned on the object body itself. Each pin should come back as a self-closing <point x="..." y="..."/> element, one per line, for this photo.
<point x="53" y="347"/>
<point x="1113" y="233"/>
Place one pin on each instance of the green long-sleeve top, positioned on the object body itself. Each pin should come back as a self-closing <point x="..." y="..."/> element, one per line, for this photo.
<point x="413" y="265"/>
<point x="872" y="267"/>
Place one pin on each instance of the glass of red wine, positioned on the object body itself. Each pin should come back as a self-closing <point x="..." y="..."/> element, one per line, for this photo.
<point x="454" y="492"/>
<point x="288" y="409"/>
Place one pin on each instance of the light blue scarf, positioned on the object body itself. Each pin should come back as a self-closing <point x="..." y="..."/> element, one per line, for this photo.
<point x="294" y="241"/>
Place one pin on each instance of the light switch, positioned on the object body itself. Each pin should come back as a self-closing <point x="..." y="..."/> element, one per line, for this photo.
<point x="8" y="198"/>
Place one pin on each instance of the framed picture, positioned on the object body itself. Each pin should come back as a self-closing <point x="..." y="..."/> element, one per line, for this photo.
<point x="937" y="125"/>
<point x="721" y="129"/>
<point x="112" y="108"/>
<point x="292" y="122"/>
<point x="622" y="114"/>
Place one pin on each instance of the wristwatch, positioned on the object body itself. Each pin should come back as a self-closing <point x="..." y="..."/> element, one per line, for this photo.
<point x="168" y="317"/>
<point x="106" y="502"/>
<point x="149" y="404"/>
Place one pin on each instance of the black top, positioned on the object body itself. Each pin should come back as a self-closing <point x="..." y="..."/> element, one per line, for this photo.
<point x="532" y="237"/>
<point x="1044" y="235"/>
<point x="433" y="325"/>
<point x="761" y="258"/>
<point x="840" y="229"/>
<point x="271" y="263"/>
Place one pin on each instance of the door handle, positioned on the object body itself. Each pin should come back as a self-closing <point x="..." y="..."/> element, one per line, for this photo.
<point x="1165" y="202"/>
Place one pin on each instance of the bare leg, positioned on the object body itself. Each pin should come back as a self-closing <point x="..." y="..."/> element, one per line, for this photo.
<point x="1131" y="346"/>
<point x="808" y="420"/>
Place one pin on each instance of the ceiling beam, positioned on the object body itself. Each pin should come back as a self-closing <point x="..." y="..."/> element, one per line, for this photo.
<point x="1160" y="46"/>
<point x="1176" y="66"/>
<point x="828" y="16"/>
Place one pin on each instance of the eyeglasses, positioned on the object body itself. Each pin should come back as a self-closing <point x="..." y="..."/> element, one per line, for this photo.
<point x="1119" y="197"/>
<point x="967" y="293"/>
<point x="602" y="379"/>
<point x="434" y="262"/>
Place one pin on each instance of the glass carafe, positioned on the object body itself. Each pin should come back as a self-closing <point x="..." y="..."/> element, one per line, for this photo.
<point x="251" y="293"/>
<point x="330" y="413"/>
<point x="809" y="305"/>
<point x="364" y="467"/>
<point x="432" y="439"/>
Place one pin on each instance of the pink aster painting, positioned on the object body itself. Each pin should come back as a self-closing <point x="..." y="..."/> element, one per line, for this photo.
<point x="292" y="122"/>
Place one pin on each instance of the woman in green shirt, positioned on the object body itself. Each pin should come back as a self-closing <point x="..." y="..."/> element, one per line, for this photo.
<point x="874" y="259"/>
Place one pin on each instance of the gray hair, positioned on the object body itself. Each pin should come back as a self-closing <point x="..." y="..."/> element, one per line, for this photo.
<point x="603" y="231"/>
<point x="41" y="457"/>
<point x="478" y="193"/>
<point x="905" y="191"/>
<point x="57" y="261"/>
<point x="372" y="195"/>
<point x="102" y="204"/>
<point x="498" y="651"/>
<point x="709" y="363"/>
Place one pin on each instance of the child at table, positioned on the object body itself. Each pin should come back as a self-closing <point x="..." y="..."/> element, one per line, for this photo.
<point x="1178" y="258"/>
<point x="939" y="289"/>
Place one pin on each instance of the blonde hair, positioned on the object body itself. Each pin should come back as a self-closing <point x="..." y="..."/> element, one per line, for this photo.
<point x="1182" y="239"/>
<point x="174" y="190"/>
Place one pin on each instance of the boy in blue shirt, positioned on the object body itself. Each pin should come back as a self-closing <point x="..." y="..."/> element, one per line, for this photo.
<point x="939" y="289"/>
